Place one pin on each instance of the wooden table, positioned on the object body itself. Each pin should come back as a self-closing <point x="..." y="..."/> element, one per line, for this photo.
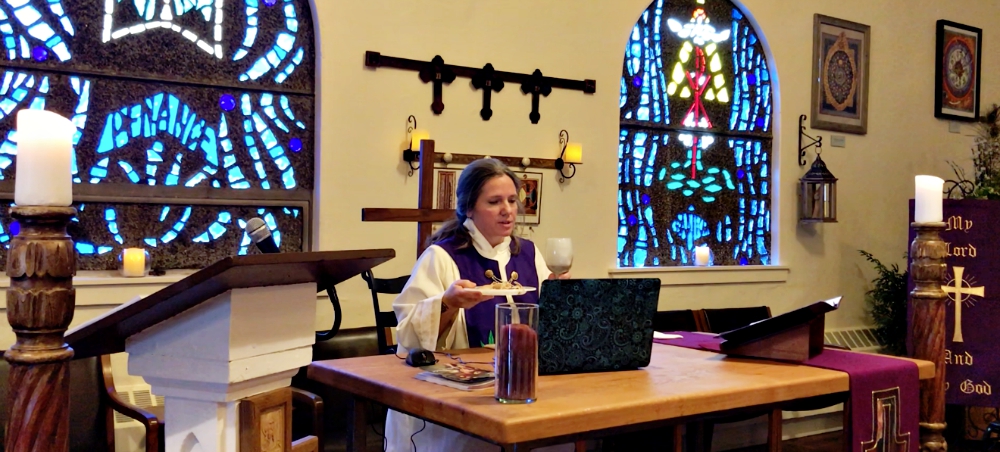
<point x="679" y="385"/>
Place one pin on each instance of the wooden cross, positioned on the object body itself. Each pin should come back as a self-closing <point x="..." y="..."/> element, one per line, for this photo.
<point x="487" y="80"/>
<point x="425" y="215"/>
<point x="536" y="85"/>
<point x="437" y="73"/>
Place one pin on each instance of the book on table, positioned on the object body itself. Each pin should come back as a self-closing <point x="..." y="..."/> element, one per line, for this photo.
<point x="458" y="376"/>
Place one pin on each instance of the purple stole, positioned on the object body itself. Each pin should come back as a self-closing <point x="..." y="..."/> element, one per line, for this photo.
<point x="480" y="319"/>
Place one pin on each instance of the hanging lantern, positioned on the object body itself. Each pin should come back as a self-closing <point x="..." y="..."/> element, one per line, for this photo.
<point x="818" y="194"/>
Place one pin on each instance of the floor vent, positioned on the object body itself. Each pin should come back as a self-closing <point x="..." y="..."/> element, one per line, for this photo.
<point x="140" y="397"/>
<point x="860" y="339"/>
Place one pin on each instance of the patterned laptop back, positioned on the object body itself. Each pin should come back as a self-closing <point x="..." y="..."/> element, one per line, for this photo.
<point x="593" y="325"/>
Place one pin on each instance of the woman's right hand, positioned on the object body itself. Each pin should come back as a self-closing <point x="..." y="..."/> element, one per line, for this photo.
<point x="459" y="295"/>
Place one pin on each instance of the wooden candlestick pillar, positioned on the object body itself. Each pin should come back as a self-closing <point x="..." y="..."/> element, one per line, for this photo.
<point x="928" y="270"/>
<point x="40" y="302"/>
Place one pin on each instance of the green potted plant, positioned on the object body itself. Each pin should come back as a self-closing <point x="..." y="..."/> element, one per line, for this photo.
<point x="886" y="302"/>
<point x="985" y="183"/>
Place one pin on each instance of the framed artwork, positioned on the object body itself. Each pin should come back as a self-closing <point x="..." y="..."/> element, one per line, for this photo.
<point x="840" y="75"/>
<point x="445" y="186"/>
<point x="531" y="198"/>
<point x="956" y="71"/>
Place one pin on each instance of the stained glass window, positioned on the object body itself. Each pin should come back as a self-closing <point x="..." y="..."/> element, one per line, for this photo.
<point x="694" y="153"/>
<point x="193" y="116"/>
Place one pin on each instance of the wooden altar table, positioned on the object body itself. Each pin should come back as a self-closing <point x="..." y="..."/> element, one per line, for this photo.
<point x="679" y="385"/>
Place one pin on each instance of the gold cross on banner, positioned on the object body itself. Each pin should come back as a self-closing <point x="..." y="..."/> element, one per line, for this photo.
<point x="957" y="293"/>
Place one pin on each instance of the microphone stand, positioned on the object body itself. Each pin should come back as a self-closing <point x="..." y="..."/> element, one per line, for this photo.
<point x="269" y="248"/>
<point x="337" y="317"/>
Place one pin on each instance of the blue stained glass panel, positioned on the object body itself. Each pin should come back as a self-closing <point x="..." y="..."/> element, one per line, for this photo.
<point x="167" y="86"/>
<point x="695" y="137"/>
<point x="211" y="227"/>
<point x="642" y="85"/>
<point x="193" y="134"/>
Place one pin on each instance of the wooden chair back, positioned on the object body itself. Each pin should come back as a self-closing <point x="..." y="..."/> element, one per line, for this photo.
<point x="93" y="400"/>
<point x="719" y="321"/>
<point x="678" y="320"/>
<point x="384" y="321"/>
<point x="726" y="319"/>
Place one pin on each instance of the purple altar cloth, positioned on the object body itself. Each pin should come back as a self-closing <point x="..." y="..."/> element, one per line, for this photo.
<point x="884" y="400"/>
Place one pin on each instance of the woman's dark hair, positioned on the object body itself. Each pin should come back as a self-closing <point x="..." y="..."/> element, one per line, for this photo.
<point x="470" y="186"/>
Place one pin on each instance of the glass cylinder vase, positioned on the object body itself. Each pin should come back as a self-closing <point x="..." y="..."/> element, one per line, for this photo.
<point x="516" y="352"/>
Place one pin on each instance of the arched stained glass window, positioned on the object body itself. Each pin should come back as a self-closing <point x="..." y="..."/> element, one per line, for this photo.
<point x="695" y="143"/>
<point x="193" y="116"/>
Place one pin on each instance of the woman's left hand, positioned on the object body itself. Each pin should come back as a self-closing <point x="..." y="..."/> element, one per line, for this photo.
<point x="560" y="276"/>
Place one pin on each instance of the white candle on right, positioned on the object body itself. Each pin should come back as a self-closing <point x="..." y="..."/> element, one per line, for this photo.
<point x="928" y="200"/>
<point x="701" y="255"/>
<point x="44" y="175"/>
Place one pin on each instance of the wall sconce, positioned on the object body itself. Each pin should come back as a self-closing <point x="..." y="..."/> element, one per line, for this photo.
<point x="570" y="154"/>
<point x="818" y="194"/>
<point x="415" y="135"/>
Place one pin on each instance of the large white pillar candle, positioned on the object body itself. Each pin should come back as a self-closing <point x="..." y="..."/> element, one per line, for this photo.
<point x="927" y="205"/>
<point x="44" y="154"/>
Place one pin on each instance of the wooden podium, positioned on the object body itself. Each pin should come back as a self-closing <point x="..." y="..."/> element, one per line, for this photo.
<point x="793" y="336"/>
<point x="239" y="328"/>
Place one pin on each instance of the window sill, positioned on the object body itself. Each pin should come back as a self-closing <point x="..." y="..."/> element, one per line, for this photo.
<point x="696" y="276"/>
<point x="111" y="278"/>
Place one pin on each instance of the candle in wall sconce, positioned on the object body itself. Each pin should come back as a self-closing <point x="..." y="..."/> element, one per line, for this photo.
<point x="702" y="256"/>
<point x="416" y="136"/>
<point x="928" y="200"/>
<point x="134" y="262"/>
<point x="574" y="153"/>
<point x="44" y="157"/>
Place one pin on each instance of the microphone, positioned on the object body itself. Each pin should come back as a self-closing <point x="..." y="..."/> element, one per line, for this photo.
<point x="261" y="236"/>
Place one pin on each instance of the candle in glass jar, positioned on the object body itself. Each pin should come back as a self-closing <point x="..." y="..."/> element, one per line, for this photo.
<point x="927" y="202"/>
<point x="517" y="363"/>
<point x="43" y="174"/>
<point x="701" y="255"/>
<point x="133" y="262"/>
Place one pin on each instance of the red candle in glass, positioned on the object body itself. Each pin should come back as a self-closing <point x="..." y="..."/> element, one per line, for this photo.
<point x="517" y="356"/>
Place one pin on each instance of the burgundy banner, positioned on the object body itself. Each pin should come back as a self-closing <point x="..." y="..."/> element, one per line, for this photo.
<point x="973" y="285"/>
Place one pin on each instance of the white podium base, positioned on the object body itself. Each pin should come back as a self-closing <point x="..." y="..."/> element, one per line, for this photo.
<point x="241" y="343"/>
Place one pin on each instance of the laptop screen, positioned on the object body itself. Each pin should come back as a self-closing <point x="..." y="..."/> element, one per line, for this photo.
<point x="593" y="325"/>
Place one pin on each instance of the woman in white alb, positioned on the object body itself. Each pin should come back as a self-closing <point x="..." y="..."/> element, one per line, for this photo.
<point x="438" y="309"/>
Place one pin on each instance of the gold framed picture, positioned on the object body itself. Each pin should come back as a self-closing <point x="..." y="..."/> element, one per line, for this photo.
<point x="840" y="75"/>
<point x="530" y="195"/>
<point x="445" y="186"/>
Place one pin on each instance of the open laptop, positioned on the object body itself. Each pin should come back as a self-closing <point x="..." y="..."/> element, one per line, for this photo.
<point x="594" y="325"/>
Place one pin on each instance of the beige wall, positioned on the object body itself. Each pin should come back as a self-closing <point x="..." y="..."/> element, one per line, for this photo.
<point x="363" y="114"/>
